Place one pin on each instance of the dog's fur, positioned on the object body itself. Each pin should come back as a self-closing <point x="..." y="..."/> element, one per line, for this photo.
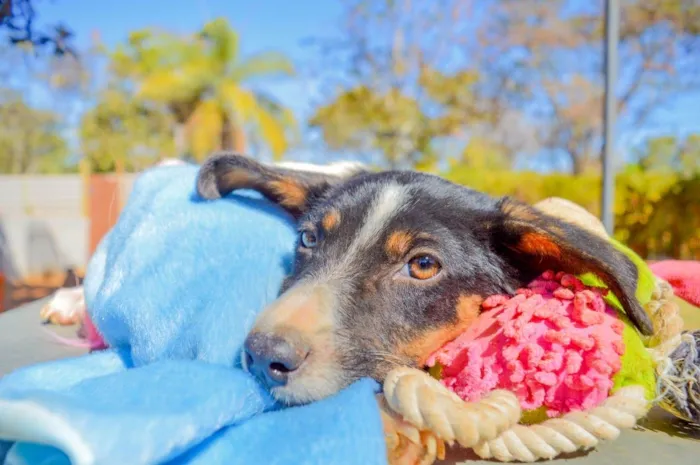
<point x="358" y="303"/>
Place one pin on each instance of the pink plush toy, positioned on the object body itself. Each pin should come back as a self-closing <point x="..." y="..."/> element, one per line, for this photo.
<point x="556" y="345"/>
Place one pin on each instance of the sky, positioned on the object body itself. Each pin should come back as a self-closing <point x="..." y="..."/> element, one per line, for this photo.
<point x="283" y="26"/>
<point x="278" y="25"/>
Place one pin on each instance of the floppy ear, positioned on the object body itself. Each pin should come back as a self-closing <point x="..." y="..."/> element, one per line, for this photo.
<point x="293" y="187"/>
<point x="533" y="242"/>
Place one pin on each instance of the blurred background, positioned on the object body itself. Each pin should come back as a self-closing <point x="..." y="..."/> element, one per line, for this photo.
<point x="505" y="96"/>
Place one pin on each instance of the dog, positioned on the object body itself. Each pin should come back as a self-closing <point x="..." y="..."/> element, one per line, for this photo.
<point x="66" y="306"/>
<point x="390" y="266"/>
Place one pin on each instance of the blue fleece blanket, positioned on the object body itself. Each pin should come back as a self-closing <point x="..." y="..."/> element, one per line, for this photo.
<point x="174" y="288"/>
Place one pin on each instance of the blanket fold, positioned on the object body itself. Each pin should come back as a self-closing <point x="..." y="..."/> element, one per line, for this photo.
<point x="174" y="289"/>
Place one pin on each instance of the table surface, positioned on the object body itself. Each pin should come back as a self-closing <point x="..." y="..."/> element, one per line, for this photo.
<point x="25" y="341"/>
<point x="660" y="439"/>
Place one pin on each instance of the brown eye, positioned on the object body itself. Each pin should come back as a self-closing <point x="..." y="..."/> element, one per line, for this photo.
<point x="422" y="267"/>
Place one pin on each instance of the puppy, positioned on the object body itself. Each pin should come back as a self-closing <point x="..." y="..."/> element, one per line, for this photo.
<point x="391" y="266"/>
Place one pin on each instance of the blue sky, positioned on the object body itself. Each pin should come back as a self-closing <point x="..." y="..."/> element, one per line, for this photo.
<point x="280" y="25"/>
<point x="276" y="25"/>
<point x="263" y="25"/>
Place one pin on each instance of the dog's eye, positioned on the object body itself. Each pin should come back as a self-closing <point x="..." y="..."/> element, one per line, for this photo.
<point x="422" y="267"/>
<point x="308" y="239"/>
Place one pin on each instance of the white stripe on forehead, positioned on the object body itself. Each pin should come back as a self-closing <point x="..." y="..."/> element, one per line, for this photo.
<point x="389" y="201"/>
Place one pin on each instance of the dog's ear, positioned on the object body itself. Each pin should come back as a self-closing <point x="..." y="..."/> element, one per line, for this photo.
<point x="532" y="241"/>
<point x="293" y="186"/>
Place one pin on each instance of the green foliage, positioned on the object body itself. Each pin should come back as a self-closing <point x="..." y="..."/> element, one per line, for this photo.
<point x="30" y="139"/>
<point x="397" y="96"/>
<point x="526" y="75"/>
<point x="484" y="153"/>
<point x="657" y="207"/>
<point x="363" y="119"/>
<point x="202" y="81"/>
<point x="396" y="124"/>
<point x="671" y="155"/>
<point x="120" y="129"/>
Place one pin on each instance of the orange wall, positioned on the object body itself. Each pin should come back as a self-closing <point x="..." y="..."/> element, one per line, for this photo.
<point x="104" y="207"/>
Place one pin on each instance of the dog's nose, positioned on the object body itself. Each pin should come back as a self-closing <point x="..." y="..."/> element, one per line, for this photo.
<point x="272" y="358"/>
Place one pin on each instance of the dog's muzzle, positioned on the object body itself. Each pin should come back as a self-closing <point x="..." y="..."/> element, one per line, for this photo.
<point x="287" y="332"/>
<point x="272" y="358"/>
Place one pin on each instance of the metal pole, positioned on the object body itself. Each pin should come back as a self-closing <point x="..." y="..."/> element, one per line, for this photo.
<point x="612" y="21"/>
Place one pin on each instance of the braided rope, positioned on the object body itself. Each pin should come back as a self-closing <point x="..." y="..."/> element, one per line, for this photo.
<point x="675" y="374"/>
<point x="428" y="405"/>
<point x="490" y="426"/>
<point x="569" y="433"/>
<point x="666" y="320"/>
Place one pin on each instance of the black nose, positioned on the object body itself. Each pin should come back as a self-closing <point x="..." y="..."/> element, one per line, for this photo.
<point x="272" y="358"/>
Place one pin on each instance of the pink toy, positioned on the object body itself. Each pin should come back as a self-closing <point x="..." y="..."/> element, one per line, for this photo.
<point x="556" y="344"/>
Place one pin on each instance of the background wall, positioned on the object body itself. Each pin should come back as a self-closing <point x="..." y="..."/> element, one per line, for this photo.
<point x="48" y="224"/>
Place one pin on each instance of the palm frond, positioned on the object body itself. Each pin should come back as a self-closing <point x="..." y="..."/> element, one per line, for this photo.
<point x="222" y="43"/>
<point x="266" y="64"/>
<point x="282" y="114"/>
<point x="272" y="131"/>
<point x="204" y="129"/>
<point x="279" y="111"/>
<point x="262" y="113"/>
<point x="168" y="85"/>
<point x="239" y="101"/>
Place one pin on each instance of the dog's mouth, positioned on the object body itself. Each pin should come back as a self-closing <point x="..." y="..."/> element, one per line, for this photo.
<point x="309" y="386"/>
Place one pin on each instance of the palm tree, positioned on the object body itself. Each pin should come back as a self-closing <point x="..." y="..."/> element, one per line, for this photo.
<point x="203" y="82"/>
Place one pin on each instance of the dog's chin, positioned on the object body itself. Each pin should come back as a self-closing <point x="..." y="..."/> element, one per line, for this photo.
<point x="307" y="388"/>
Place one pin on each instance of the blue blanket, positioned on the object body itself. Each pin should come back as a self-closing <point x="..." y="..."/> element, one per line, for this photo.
<point x="174" y="288"/>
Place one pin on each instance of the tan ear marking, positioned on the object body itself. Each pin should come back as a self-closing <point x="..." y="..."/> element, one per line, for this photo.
<point x="236" y="179"/>
<point x="539" y="244"/>
<point x="291" y="194"/>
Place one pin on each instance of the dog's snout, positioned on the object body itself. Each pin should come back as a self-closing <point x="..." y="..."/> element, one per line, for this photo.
<point x="273" y="358"/>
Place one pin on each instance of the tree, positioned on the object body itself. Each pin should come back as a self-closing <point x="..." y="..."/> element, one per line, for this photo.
<point x="122" y="130"/>
<point x="546" y="58"/>
<point x="363" y="120"/>
<point x="30" y="139"/>
<point x="671" y="154"/>
<point x="524" y="74"/>
<point x="203" y="82"/>
<point x="662" y="189"/>
<point x="392" y="97"/>
<point x="18" y="19"/>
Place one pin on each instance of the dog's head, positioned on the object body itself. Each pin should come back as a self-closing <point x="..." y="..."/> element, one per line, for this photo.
<point x="391" y="266"/>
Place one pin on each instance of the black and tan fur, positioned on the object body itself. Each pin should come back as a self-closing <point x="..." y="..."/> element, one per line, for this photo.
<point x="351" y="310"/>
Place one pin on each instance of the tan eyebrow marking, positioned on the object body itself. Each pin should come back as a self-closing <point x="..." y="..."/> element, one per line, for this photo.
<point x="331" y="220"/>
<point x="398" y="243"/>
